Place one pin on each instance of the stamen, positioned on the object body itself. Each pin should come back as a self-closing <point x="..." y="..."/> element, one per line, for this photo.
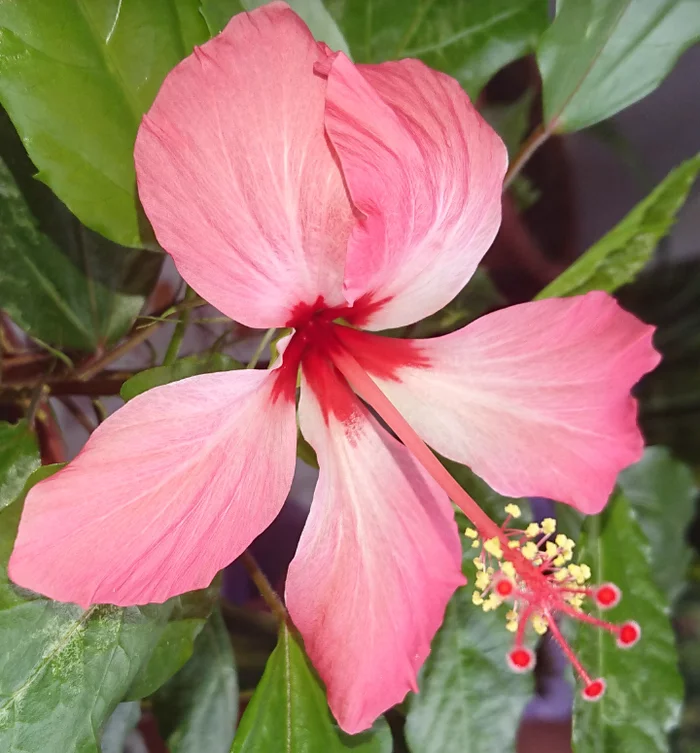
<point x="534" y="573"/>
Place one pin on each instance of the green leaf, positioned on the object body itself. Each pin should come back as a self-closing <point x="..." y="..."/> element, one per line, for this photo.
<point x="645" y="691"/>
<point x="469" y="40"/>
<point x="198" y="708"/>
<point x="19" y="457"/>
<point x="618" y="257"/>
<point x="76" y="76"/>
<point x="123" y="720"/>
<point x="661" y="492"/>
<point x="466" y="681"/>
<point x="63" y="670"/>
<point x="176" y="643"/>
<point x="201" y="363"/>
<point x="219" y="12"/>
<point x="289" y="712"/>
<point x="83" y="294"/>
<point x="510" y="121"/>
<point x="600" y="56"/>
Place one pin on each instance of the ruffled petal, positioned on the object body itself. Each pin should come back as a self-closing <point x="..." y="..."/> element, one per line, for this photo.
<point x="534" y="398"/>
<point x="426" y="172"/>
<point x="378" y="559"/>
<point x="236" y="175"/>
<point x="165" y="493"/>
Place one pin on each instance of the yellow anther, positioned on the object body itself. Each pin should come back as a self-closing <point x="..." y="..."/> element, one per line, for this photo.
<point x="508" y="569"/>
<point x="513" y="510"/>
<point x="471" y="533"/>
<point x="477" y="599"/>
<point x="513" y="545"/>
<point x="539" y="624"/>
<point x="537" y="561"/>
<point x="585" y="571"/>
<point x="549" y="526"/>
<point x="576" y="600"/>
<point x="493" y="547"/>
<point x="530" y="550"/>
<point x="564" y="542"/>
<point x="479" y="563"/>
<point x="574" y="570"/>
<point x="476" y="544"/>
<point x="532" y="530"/>
<point x="511" y="615"/>
<point x="491" y="603"/>
<point x="559" y="561"/>
<point x="551" y="549"/>
<point x="560" y="575"/>
<point x="490" y="570"/>
<point x="511" y="626"/>
<point x="482" y="580"/>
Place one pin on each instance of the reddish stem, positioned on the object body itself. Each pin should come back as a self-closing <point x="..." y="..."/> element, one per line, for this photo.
<point x="570" y="655"/>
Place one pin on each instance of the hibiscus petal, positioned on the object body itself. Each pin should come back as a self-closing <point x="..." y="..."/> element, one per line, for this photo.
<point x="235" y="173"/>
<point x="426" y="172"/>
<point x="534" y="398"/>
<point x="378" y="559"/>
<point x="165" y="493"/>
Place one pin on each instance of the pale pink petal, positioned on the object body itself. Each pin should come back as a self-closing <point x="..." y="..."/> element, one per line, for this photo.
<point x="165" y="493"/>
<point x="534" y="398"/>
<point x="378" y="559"/>
<point x="426" y="173"/>
<point x="236" y="175"/>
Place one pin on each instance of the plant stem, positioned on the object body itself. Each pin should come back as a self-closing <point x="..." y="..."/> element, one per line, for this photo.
<point x="267" y="592"/>
<point x="531" y="145"/>
<point x="179" y="331"/>
<point x="267" y="337"/>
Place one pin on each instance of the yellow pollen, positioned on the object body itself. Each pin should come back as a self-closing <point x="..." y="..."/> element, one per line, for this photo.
<point x="564" y="542"/>
<point x="532" y="530"/>
<point x="470" y="533"/>
<point x="559" y="561"/>
<point x="585" y="571"/>
<point x="475" y="544"/>
<point x="551" y="549"/>
<point x="539" y="624"/>
<point x="511" y="615"/>
<point x="511" y="626"/>
<point x="549" y="526"/>
<point x="482" y="580"/>
<point x="530" y="550"/>
<point x="493" y="547"/>
<point x="561" y="575"/>
<point x="513" y="510"/>
<point x="513" y="545"/>
<point x="477" y="599"/>
<point x="508" y="569"/>
<point x="479" y="563"/>
<point x="491" y="603"/>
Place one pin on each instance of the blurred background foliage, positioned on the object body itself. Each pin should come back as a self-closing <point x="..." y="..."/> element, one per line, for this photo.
<point x="90" y="310"/>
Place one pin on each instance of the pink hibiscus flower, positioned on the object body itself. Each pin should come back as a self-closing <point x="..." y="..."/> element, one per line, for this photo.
<point x="295" y="189"/>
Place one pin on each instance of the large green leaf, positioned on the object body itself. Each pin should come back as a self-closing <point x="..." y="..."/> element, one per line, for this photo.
<point x="618" y="257"/>
<point x="466" y="680"/>
<point x="82" y="294"/>
<point x="219" y="12"/>
<point x="188" y="616"/>
<point x="76" y="77"/>
<point x="289" y="712"/>
<point x="645" y="691"/>
<point x="63" y="670"/>
<point x="198" y="708"/>
<point x="469" y="40"/>
<point x="600" y="56"/>
<point x="661" y="491"/>
<point x="19" y="457"/>
<point x="201" y="363"/>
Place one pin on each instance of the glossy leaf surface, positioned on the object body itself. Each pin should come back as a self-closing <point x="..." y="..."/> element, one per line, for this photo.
<point x="600" y="56"/>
